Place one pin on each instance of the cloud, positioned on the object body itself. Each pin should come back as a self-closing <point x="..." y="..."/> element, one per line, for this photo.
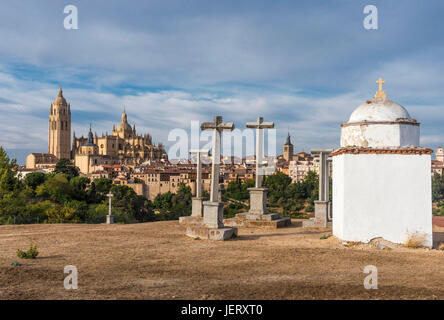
<point x="304" y="65"/>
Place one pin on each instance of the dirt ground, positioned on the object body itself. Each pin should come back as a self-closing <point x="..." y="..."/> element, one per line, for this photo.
<point x="157" y="261"/>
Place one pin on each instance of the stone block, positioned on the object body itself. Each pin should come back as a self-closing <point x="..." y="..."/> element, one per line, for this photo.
<point x="321" y="219"/>
<point x="203" y="232"/>
<point x="109" y="219"/>
<point x="190" y="220"/>
<point x="247" y="220"/>
<point x="258" y="200"/>
<point x="197" y="207"/>
<point x="213" y="214"/>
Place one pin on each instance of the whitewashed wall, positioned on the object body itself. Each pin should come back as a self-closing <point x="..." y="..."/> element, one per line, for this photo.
<point x="379" y="195"/>
<point x="380" y="135"/>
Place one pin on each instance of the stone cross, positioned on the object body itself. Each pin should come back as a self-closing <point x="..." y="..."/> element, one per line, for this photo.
<point x="259" y="125"/>
<point x="198" y="152"/>
<point x="324" y="182"/>
<point x="109" y="218"/>
<point x="217" y="126"/>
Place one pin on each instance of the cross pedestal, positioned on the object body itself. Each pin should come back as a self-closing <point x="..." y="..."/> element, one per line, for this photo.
<point x="323" y="204"/>
<point x="197" y="207"/>
<point x="321" y="213"/>
<point x="109" y="217"/>
<point x="197" y="201"/>
<point x="258" y="200"/>
<point x="212" y="226"/>
<point x="258" y="215"/>
<point x="213" y="214"/>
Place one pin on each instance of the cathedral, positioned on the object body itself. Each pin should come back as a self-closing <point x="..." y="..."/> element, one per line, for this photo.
<point x="123" y="146"/>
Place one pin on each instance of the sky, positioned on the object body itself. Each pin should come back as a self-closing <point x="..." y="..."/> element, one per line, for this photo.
<point x="306" y="65"/>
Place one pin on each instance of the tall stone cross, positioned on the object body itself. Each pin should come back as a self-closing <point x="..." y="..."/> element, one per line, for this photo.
<point x="324" y="182"/>
<point x="109" y="218"/>
<point x="259" y="125"/>
<point x="198" y="152"/>
<point x="217" y="126"/>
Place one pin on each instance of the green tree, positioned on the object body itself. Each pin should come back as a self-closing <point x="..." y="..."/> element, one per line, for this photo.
<point x="79" y="185"/>
<point x="172" y="206"/>
<point x="66" y="167"/>
<point x="9" y="181"/>
<point x="34" y="179"/>
<point x="60" y="214"/>
<point x="56" y="188"/>
<point x="238" y="190"/>
<point x="277" y="184"/>
<point x="437" y="187"/>
<point x="81" y="209"/>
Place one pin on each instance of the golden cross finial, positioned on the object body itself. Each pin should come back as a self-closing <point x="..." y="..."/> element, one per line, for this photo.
<point x="380" y="82"/>
<point x="380" y="94"/>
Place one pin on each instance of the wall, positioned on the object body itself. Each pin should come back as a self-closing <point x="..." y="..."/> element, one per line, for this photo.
<point x="380" y="135"/>
<point x="381" y="195"/>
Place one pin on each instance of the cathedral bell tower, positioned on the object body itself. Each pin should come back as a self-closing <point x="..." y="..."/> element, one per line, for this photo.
<point x="59" y="141"/>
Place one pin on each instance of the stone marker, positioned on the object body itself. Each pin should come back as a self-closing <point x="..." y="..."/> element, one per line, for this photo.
<point x="109" y="217"/>
<point x="323" y="205"/>
<point x="197" y="207"/>
<point x="258" y="215"/>
<point x="213" y="209"/>
<point x="258" y="195"/>
<point x="196" y="202"/>
<point x="212" y="226"/>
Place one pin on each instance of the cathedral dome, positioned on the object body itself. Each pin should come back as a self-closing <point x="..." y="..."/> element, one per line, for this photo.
<point x="124" y="126"/>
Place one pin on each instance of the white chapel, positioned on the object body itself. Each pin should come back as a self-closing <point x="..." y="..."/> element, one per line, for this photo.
<point x="381" y="176"/>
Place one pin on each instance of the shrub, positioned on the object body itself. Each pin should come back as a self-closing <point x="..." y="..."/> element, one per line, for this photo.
<point x="415" y="240"/>
<point x="32" y="252"/>
<point x="309" y="208"/>
<point x="441" y="246"/>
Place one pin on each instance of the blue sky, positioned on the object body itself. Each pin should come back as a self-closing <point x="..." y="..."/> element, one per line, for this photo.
<point x="306" y="65"/>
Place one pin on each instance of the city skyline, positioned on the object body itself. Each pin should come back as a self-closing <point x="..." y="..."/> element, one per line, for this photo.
<point x="169" y="67"/>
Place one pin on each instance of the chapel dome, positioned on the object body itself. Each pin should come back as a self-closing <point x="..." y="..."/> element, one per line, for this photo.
<point x="379" y="110"/>
<point x="380" y="123"/>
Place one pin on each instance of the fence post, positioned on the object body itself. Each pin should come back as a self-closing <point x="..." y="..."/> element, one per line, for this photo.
<point x="14" y="219"/>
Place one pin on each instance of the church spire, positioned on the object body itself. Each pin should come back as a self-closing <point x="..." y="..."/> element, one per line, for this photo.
<point x="288" y="140"/>
<point x="60" y="92"/>
<point x="90" y="135"/>
<point x="124" y="116"/>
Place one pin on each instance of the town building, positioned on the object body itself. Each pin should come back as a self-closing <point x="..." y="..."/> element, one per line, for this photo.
<point x="438" y="163"/>
<point x="46" y="161"/>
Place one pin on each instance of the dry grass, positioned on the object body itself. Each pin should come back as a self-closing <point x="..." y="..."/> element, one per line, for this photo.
<point x="350" y="244"/>
<point x="157" y="261"/>
<point x="415" y="240"/>
<point x="441" y="246"/>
